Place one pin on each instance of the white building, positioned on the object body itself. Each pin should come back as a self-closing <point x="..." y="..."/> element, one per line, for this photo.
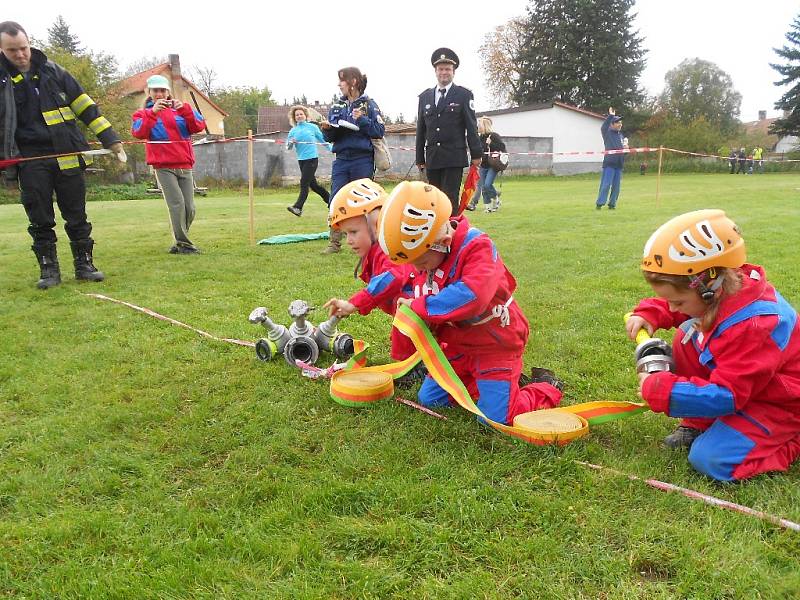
<point x="571" y="129"/>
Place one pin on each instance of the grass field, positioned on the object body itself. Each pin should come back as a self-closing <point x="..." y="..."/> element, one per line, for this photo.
<point x="140" y="460"/>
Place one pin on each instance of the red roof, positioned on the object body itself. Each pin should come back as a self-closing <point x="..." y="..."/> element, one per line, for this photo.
<point x="136" y="83"/>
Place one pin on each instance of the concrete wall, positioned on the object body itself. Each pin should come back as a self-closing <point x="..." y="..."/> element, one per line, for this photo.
<point x="274" y="165"/>
<point x="788" y="143"/>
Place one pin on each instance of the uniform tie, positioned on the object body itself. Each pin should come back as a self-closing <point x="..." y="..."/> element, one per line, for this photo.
<point x="442" y="92"/>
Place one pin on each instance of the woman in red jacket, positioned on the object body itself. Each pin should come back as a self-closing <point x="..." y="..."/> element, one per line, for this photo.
<point x="169" y="123"/>
<point x="736" y="384"/>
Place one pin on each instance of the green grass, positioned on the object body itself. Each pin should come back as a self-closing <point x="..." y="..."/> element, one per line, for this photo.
<point x="139" y="460"/>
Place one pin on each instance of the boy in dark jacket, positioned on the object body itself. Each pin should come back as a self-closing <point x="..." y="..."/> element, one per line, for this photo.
<point x="612" y="163"/>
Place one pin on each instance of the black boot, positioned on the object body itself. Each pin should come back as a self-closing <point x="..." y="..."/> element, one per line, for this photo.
<point x="540" y="375"/>
<point x="50" y="272"/>
<point x="84" y="267"/>
<point x="682" y="437"/>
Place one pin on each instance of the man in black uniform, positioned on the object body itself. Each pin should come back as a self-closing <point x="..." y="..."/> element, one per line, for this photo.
<point x="446" y="125"/>
<point x="39" y="105"/>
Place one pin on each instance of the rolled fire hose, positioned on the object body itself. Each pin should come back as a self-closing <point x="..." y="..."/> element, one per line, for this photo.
<point x="549" y="426"/>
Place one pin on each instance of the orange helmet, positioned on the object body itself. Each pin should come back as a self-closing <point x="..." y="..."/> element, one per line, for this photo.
<point x="693" y="242"/>
<point x="357" y="198"/>
<point x="411" y="220"/>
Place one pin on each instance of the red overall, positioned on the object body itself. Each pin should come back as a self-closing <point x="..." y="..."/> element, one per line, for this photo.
<point x="384" y="281"/>
<point x="738" y="382"/>
<point x="468" y="304"/>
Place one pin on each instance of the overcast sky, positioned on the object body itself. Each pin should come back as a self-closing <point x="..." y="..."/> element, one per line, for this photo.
<point x="297" y="48"/>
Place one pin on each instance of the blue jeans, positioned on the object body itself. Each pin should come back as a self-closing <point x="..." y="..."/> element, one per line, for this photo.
<point x="611" y="179"/>
<point x="345" y="170"/>
<point x="486" y="184"/>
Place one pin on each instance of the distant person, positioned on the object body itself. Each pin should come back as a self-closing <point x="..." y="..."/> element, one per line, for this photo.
<point x="38" y="116"/>
<point x="490" y="142"/>
<point x="742" y="162"/>
<point x="758" y="159"/>
<point x="643" y="168"/>
<point x="611" y="178"/>
<point x="304" y="136"/>
<point x="446" y="127"/>
<point x="353" y="121"/>
<point x="732" y="160"/>
<point x="167" y="119"/>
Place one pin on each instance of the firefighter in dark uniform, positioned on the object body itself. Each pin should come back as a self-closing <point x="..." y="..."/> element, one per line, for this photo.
<point x="446" y="126"/>
<point x="39" y="105"/>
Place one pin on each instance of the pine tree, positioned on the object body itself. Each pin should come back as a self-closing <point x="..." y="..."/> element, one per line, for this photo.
<point x="581" y="52"/>
<point x="790" y="101"/>
<point x="59" y="36"/>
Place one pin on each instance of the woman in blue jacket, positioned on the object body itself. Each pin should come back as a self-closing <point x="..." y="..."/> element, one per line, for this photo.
<point x="304" y="136"/>
<point x="353" y="121"/>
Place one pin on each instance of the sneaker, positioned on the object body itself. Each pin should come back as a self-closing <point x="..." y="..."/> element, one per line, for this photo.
<point x="331" y="250"/>
<point x="612" y="207"/>
<point x="499" y="202"/>
<point x="413" y="377"/>
<point x="682" y="437"/>
<point x="598" y="206"/>
<point x="294" y="210"/>
<point x="470" y="206"/>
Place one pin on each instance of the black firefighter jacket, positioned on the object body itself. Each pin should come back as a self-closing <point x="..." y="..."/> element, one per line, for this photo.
<point x="62" y="101"/>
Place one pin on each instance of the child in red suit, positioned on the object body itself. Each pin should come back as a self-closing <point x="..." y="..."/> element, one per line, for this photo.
<point x="736" y="383"/>
<point x="354" y="211"/>
<point x="463" y="291"/>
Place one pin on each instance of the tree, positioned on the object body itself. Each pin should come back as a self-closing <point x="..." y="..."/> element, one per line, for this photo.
<point x="699" y="88"/>
<point x="582" y="53"/>
<point x="205" y="78"/>
<point x="242" y="104"/>
<point x="143" y="64"/>
<point x="499" y="53"/>
<point x="59" y="36"/>
<point x="789" y="124"/>
<point x="697" y="135"/>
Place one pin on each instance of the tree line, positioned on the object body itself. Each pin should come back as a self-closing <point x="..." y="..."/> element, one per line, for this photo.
<point x="589" y="54"/>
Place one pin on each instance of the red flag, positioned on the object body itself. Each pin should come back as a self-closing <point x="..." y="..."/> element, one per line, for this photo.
<point x="469" y="188"/>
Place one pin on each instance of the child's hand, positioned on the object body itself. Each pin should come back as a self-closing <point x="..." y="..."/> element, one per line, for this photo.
<point x="339" y="308"/>
<point x="634" y="324"/>
<point x="404" y="302"/>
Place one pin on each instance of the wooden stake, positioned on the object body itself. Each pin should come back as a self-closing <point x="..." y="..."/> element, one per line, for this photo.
<point x="250" y="185"/>
<point x="658" y="177"/>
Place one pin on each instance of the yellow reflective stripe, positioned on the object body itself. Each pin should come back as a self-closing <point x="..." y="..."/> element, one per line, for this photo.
<point x="17" y="79"/>
<point x="81" y="103"/>
<point x="67" y="113"/>
<point x="68" y="162"/>
<point x="52" y="117"/>
<point x="99" y="125"/>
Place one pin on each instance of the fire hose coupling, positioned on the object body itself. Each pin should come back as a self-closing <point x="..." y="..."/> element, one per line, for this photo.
<point x="301" y="340"/>
<point x="652" y="354"/>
